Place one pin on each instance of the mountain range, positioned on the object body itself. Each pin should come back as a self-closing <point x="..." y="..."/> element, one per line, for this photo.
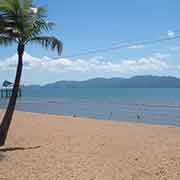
<point x="133" y="82"/>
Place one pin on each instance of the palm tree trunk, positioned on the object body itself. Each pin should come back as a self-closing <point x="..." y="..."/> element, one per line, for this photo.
<point x="6" y="121"/>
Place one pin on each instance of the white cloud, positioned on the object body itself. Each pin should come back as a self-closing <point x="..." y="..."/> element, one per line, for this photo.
<point x="136" y="46"/>
<point x="29" y="62"/>
<point x="174" y="49"/>
<point x="162" y="55"/>
<point x="171" y="34"/>
<point x="155" y="63"/>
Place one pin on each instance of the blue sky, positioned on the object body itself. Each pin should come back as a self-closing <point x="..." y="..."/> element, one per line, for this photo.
<point x="85" y="25"/>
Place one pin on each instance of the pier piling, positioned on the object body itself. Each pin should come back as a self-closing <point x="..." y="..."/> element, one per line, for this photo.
<point x="7" y="92"/>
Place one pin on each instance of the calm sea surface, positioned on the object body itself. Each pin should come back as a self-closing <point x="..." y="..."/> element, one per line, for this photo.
<point x="154" y="106"/>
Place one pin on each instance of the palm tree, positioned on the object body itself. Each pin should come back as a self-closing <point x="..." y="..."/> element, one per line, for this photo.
<point x="22" y="22"/>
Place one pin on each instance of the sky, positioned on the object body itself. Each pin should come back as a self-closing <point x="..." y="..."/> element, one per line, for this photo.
<point x="90" y="25"/>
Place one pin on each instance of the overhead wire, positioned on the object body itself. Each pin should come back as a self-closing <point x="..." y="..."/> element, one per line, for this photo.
<point x="120" y="45"/>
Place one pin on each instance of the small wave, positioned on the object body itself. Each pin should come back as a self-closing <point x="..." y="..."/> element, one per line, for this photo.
<point x="52" y="102"/>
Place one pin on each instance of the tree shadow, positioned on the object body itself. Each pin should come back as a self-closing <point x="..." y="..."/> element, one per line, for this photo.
<point x="18" y="149"/>
<point x="1" y="156"/>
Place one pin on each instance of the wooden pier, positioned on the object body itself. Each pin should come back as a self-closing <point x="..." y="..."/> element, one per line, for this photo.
<point x="7" y="92"/>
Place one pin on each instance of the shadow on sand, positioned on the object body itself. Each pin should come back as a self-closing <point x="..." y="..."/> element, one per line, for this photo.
<point x="17" y="149"/>
<point x="1" y="156"/>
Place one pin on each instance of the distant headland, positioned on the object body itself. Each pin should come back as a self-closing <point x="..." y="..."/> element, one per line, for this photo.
<point x="147" y="81"/>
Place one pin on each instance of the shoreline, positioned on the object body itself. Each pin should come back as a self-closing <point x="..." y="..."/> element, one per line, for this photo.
<point x="102" y="108"/>
<point x="93" y="119"/>
<point x="42" y="146"/>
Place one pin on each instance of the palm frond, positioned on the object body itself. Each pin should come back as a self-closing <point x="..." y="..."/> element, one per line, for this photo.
<point x="6" y="41"/>
<point x="25" y="22"/>
<point x="48" y="42"/>
<point x="25" y="18"/>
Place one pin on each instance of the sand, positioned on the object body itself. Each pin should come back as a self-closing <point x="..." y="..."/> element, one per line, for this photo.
<point x="50" y="147"/>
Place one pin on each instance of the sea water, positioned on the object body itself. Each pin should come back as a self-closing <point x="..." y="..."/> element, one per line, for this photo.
<point x="145" y="105"/>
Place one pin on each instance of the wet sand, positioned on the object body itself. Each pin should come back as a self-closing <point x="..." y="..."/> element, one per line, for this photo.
<point x="50" y="147"/>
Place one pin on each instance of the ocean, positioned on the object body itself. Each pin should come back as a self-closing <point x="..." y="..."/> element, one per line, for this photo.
<point x="144" y="105"/>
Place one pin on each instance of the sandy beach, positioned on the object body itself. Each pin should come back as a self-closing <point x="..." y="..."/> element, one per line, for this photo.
<point x="50" y="147"/>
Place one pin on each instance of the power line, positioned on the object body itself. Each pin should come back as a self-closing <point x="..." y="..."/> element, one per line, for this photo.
<point x="176" y="30"/>
<point x="121" y="46"/>
<point x="94" y="51"/>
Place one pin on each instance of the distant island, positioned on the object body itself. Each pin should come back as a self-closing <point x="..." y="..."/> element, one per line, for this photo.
<point x="133" y="82"/>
